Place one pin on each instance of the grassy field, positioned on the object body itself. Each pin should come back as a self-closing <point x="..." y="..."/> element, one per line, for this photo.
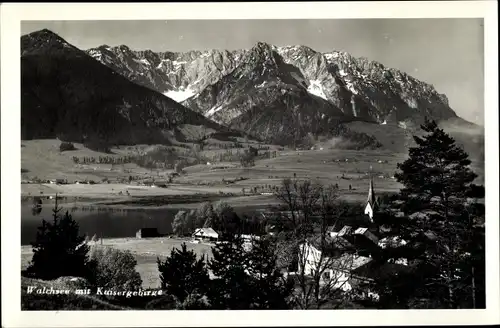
<point x="146" y="251"/>
<point x="346" y="168"/>
<point x="41" y="158"/>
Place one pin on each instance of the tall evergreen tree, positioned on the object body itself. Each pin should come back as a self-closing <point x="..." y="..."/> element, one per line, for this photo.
<point x="59" y="249"/>
<point x="231" y="288"/>
<point x="271" y="289"/>
<point x="441" y="225"/>
<point x="247" y="278"/>
<point x="183" y="275"/>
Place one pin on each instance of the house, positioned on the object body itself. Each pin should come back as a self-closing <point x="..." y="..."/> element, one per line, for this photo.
<point x="147" y="233"/>
<point x="249" y="237"/>
<point x="347" y="270"/>
<point x="206" y="234"/>
<point x="335" y="267"/>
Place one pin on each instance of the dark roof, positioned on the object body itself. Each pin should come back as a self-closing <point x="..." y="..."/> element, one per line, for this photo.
<point x="331" y="246"/>
<point x="375" y="269"/>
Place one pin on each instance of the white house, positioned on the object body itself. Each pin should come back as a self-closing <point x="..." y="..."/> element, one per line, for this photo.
<point x="205" y="234"/>
<point x="336" y="268"/>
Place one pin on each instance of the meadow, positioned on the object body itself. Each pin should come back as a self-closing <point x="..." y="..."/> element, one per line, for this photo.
<point x="146" y="251"/>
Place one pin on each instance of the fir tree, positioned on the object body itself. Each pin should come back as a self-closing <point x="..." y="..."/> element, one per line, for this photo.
<point x="271" y="289"/>
<point x="441" y="225"/>
<point x="231" y="288"/>
<point x="184" y="276"/>
<point x="59" y="250"/>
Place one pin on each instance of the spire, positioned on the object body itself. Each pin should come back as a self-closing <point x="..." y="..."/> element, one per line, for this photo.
<point x="371" y="202"/>
<point x="371" y="194"/>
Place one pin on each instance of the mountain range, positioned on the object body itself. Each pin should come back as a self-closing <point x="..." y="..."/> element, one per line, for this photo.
<point x="280" y="95"/>
<point x="70" y="95"/>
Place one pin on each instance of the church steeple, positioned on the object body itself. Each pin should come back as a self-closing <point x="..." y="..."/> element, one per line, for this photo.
<point x="371" y="202"/>
<point x="371" y="194"/>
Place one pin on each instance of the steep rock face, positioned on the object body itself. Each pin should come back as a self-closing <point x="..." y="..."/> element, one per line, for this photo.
<point x="367" y="89"/>
<point x="67" y="94"/>
<point x="361" y="89"/>
<point x="282" y="93"/>
<point x="267" y="97"/>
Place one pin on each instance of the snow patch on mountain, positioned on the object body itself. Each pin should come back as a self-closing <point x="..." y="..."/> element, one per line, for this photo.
<point x="330" y="56"/>
<point x="261" y="85"/>
<point x="180" y="95"/>
<point x="205" y="55"/>
<point x="316" y="88"/>
<point x="141" y="61"/>
<point x="177" y="64"/>
<point x="350" y="86"/>
<point x="212" y="111"/>
<point x="160" y="65"/>
<point x="353" y="105"/>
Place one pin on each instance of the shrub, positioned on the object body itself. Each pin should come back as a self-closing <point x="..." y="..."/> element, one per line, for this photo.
<point x="114" y="268"/>
<point x="65" y="146"/>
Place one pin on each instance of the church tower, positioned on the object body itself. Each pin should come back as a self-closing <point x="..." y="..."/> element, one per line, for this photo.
<point x="371" y="203"/>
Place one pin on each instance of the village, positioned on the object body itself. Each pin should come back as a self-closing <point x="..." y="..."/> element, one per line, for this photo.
<point x="345" y="256"/>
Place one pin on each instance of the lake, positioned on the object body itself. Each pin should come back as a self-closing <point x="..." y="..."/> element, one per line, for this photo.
<point x="104" y="221"/>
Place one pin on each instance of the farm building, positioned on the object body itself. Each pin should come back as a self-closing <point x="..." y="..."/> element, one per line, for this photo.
<point x="147" y="233"/>
<point x="57" y="181"/>
<point x="206" y="234"/>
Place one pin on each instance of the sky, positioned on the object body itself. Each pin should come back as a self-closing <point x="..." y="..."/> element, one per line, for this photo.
<point x="446" y="52"/>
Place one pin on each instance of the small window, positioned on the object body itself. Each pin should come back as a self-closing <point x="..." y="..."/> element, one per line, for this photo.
<point x="326" y="275"/>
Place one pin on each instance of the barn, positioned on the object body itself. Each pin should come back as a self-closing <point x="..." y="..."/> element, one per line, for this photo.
<point x="147" y="233"/>
<point x="208" y="234"/>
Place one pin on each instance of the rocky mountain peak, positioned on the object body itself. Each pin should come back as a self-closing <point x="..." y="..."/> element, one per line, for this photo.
<point x="360" y="88"/>
<point x="46" y="41"/>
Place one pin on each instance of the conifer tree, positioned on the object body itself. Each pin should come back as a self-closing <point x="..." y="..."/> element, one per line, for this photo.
<point x="247" y="278"/>
<point x="183" y="275"/>
<point x="231" y="288"/>
<point x="59" y="249"/>
<point x="441" y="225"/>
<point x="271" y="289"/>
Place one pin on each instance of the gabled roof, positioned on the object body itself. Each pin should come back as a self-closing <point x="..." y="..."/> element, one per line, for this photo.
<point x="331" y="246"/>
<point x="350" y="262"/>
<point x="206" y="232"/>
<point x="367" y="233"/>
<point x="345" y="231"/>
